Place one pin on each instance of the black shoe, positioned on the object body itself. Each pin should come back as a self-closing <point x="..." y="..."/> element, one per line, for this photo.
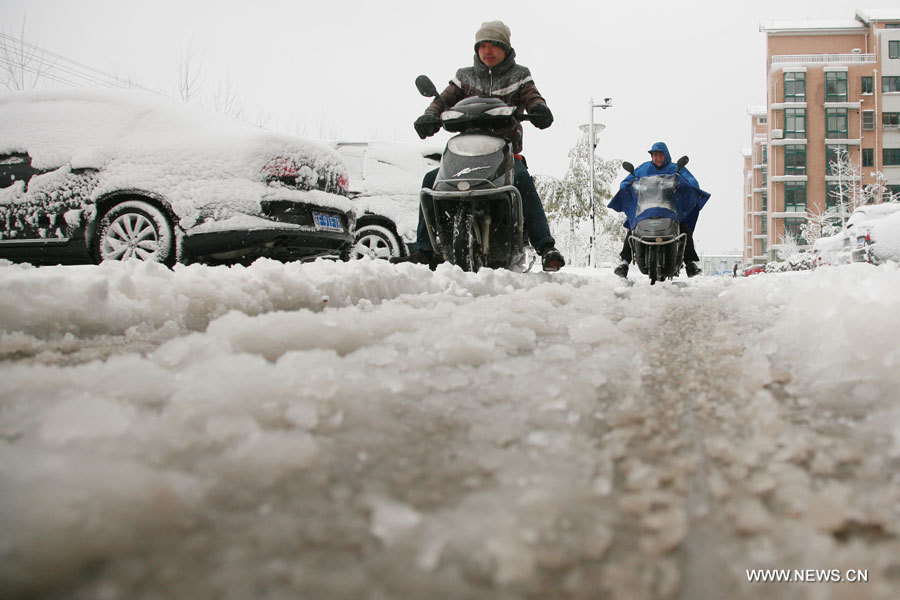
<point x="419" y="257"/>
<point x="551" y="259"/>
<point x="692" y="269"/>
<point x="621" y="270"/>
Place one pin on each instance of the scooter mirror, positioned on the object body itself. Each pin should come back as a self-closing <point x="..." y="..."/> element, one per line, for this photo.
<point x="628" y="167"/>
<point x="682" y="162"/>
<point x="425" y="86"/>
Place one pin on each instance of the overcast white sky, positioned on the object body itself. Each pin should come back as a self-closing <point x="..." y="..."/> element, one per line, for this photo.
<point x="679" y="72"/>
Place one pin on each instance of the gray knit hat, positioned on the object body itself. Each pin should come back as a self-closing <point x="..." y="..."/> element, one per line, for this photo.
<point x="495" y="32"/>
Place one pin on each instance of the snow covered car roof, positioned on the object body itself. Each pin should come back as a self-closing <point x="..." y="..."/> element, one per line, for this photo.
<point x="212" y="173"/>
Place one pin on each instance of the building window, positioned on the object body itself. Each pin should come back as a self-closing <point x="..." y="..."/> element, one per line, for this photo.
<point x="891" y="157"/>
<point x="836" y="86"/>
<point x="894" y="49"/>
<point x="868" y="157"/>
<point x="868" y="120"/>
<point x="765" y="201"/>
<point x="765" y="226"/>
<point x="890" y="120"/>
<point x="867" y="85"/>
<point x="794" y="197"/>
<point x="762" y="120"/>
<point x="836" y="123"/>
<point x="792" y="229"/>
<point x="795" y="123"/>
<point x="764" y="175"/>
<point x="795" y="87"/>
<point x="833" y="154"/>
<point x="795" y="160"/>
<point x="894" y="191"/>
<point x="890" y="84"/>
<point x="765" y="155"/>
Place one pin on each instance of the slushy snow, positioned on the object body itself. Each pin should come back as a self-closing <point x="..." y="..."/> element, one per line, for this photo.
<point x="368" y="430"/>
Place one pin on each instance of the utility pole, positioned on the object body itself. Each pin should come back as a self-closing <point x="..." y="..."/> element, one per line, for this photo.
<point x="593" y="130"/>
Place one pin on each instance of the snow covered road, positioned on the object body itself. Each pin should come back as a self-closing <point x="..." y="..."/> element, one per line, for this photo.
<point x="375" y="431"/>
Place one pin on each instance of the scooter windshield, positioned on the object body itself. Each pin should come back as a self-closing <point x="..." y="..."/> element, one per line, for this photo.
<point x="655" y="192"/>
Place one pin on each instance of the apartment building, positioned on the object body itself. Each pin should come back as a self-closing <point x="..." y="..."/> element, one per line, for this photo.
<point x="832" y="88"/>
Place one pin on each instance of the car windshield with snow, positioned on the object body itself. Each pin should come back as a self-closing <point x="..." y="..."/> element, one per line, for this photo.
<point x="87" y="176"/>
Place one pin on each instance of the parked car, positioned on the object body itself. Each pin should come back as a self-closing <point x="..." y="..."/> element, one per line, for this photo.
<point x="385" y="179"/>
<point x="754" y="270"/>
<point x="833" y="250"/>
<point x="855" y="242"/>
<point x="88" y="175"/>
<point x="860" y="226"/>
<point x="883" y="238"/>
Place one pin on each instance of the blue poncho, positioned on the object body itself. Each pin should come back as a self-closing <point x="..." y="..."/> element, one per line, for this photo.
<point x="689" y="198"/>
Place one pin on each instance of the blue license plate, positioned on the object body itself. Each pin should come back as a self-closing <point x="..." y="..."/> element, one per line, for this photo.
<point x="327" y="222"/>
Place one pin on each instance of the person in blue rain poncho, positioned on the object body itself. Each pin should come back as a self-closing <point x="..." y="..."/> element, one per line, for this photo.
<point x="660" y="163"/>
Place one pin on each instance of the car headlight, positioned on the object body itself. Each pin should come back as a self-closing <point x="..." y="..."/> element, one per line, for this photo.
<point x="475" y="145"/>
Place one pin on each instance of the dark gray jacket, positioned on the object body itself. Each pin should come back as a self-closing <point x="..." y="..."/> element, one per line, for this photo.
<point x="507" y="81"/>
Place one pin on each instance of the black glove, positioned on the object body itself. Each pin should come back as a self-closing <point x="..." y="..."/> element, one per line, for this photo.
<point x="427" y="125"/>
<point x="542" y="117"/>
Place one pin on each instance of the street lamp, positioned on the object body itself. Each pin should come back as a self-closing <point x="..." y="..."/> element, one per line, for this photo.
<point x="592" y="129"/>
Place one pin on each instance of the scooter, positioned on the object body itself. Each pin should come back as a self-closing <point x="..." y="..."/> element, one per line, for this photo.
<point x="474" y="212"/>
<point x="657" y="242"/>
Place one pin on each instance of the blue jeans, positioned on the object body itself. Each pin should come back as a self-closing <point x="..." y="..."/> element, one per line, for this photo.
<point x="532" y="211"/>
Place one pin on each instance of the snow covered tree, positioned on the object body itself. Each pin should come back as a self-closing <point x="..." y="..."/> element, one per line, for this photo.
<point x="567" y="202"/>
<point x="789" y="246"/>
<point x="820" y="222"/>
<point x="849" y="194"/>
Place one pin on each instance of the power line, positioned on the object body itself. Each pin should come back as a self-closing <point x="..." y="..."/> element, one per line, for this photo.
<point x="56" y="67"/>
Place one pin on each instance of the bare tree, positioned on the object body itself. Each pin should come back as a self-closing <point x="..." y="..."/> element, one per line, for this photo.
<point x="190" y="72"/>
<point x="24" y="65"/>
<point x="226" y="99"/>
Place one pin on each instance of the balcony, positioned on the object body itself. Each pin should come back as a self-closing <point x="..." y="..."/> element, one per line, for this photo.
<point x="821" y="59"/>
<point x="787" y="178"/>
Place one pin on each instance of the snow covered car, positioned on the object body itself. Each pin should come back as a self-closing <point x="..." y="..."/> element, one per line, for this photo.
<point x="385" y="179"/>
<point x="883" y="237"/>
<point x="863" y="222"/>
<point x="91" y="175"/>
<point x="855" y="243"/>
<point x="833" y="250"/>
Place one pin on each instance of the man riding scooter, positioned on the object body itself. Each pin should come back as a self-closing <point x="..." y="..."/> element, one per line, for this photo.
<point x="660" y="163"/>
<point x="494" y="74"/>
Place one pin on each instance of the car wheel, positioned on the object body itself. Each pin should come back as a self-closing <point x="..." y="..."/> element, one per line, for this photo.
<point x="375" y="241"/>
<point x="135" y="230"/>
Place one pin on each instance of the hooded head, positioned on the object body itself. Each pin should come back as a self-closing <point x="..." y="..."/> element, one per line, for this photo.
<point x="661" y="147"/>
<point x="495" y="32"/>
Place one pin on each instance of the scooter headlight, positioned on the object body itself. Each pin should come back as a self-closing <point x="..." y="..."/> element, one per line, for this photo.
<point x="502" y="111"/>
<point x="449" y="115"/>
<point x="475" y="145"/>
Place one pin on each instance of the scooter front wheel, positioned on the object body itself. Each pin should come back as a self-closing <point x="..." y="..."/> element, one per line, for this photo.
<point x="465" y="245"/>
